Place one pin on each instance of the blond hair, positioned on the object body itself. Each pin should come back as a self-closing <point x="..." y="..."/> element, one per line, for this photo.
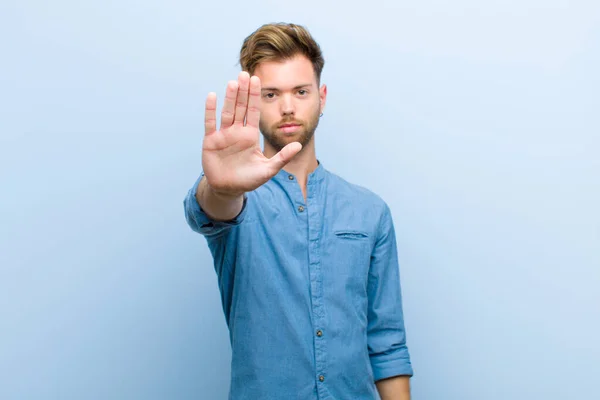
<point x="279" y="42"/>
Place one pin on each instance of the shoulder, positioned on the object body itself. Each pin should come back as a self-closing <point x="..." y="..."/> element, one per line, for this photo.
<point x="361" y="203"/>
<point x="356" y="194"/>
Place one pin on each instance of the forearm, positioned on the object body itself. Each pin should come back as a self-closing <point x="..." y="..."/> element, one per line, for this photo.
<point x="395" y="388"/>
<point x="217" y="206"/>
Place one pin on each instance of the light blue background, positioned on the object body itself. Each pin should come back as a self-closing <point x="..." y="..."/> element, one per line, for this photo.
<point x="478" y="122"/>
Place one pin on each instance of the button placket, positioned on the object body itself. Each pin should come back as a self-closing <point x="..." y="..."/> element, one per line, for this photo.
<point x="314" y="213"/>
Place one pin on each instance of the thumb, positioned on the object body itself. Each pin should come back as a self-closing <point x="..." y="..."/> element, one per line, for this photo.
<point x="284" y="156"/>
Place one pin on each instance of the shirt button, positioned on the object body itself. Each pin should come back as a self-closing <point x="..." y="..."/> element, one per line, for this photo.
<point x="319" y="333"/>
<point x="321" y="378"/>
<point x="301" y="208"/>
<point x="291" y="178"/>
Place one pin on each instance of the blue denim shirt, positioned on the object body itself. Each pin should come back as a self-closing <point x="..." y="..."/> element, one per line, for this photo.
<point x="310" y="289"/>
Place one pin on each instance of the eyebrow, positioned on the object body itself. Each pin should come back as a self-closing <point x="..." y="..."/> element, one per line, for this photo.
<point x="296" y="87"/>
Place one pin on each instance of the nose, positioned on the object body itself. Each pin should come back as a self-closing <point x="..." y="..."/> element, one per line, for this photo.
<point x="287" y="105"/>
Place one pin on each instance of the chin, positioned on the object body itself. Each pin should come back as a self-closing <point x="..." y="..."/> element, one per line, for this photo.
<point x="290" y="137"/>
<point x="279" y="140"/>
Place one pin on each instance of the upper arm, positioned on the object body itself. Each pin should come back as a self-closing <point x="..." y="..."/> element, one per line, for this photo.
<point x="386" y="329"/>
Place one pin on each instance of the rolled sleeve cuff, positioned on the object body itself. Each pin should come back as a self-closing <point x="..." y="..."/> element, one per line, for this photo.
<point x="200" y="222"/>
<point x="388" y="367"/>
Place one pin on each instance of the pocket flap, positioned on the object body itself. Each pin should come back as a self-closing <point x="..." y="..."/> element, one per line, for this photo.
<point x="351" y="234"/>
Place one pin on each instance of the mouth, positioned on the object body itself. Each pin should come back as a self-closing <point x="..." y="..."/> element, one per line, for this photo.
<point x="289" y="128"/>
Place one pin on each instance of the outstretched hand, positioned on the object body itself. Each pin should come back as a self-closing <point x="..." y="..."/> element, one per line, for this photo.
<point x="232" y="160"/>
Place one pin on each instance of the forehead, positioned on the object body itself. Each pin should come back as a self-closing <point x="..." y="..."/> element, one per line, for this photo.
<point x="286" y="74"/>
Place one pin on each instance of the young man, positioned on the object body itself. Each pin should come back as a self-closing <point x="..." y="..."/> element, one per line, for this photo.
<point x="306" y="262"/>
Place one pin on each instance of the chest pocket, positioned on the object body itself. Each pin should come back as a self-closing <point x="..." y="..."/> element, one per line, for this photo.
<point x="355" y="243"/>
<point x="351" y="255"/>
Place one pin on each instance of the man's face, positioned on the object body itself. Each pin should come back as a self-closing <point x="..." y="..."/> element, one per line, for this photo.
<point x="291" y="101"/>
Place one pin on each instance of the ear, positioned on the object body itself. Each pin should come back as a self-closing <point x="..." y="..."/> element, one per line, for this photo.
<point x="323" y="96"/>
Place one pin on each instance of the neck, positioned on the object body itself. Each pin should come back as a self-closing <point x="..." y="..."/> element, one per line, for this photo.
<point x="303" y="163"/>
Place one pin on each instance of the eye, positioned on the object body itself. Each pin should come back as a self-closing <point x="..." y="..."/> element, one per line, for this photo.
<point x="302" y="92"/>
<point x="269" y="95"/>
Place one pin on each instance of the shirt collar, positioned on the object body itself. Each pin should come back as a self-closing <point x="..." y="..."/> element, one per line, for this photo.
<point x="316" y="176"/>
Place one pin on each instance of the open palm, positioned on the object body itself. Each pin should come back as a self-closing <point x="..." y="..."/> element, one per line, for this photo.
<point x="232" y="160"/>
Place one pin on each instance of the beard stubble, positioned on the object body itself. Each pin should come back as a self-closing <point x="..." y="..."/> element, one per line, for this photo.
<point x="279" y="140"/>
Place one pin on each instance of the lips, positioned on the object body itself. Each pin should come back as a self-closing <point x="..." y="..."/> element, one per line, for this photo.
<point x="289" y="128"/>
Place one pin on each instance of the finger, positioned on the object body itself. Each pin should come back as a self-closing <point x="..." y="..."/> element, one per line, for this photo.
<point x="284" y="156"/>
<point x="242" y="97"/>
<point x="228" y="111"/>
<point x="253" y="117"/>
<point x="210" y="114"/>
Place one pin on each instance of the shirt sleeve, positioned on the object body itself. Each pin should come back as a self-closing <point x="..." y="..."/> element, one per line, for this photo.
<point x="386" y="335"/>
<point x="200" y="222"/>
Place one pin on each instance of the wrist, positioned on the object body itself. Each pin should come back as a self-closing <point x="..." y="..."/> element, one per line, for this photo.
<point x="223" y="195"/>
